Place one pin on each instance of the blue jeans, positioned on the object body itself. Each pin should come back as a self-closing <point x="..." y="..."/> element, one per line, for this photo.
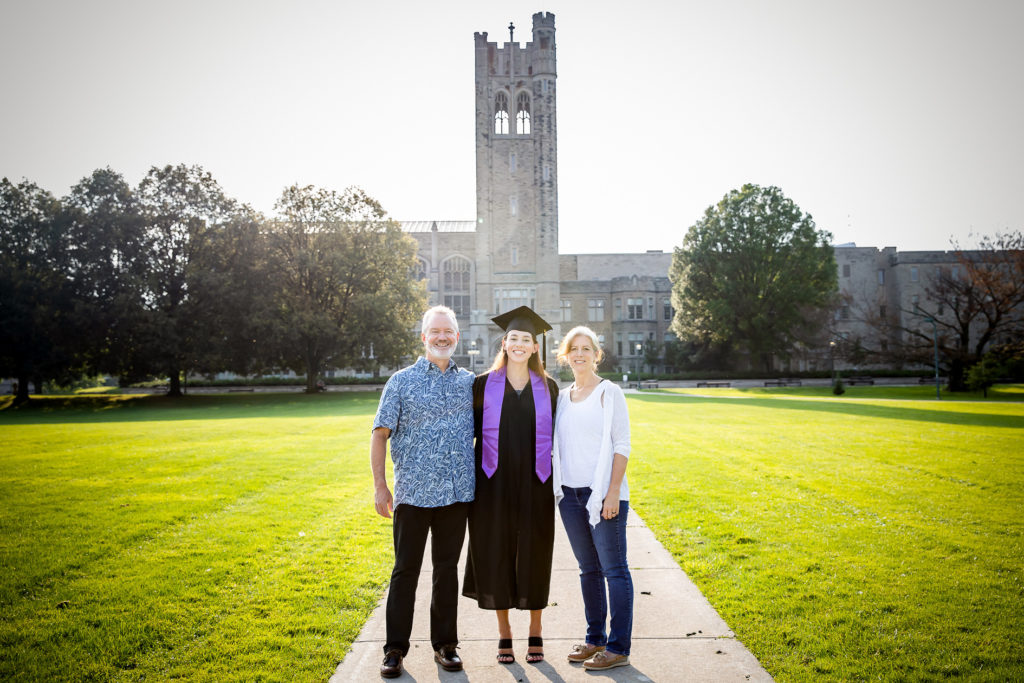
<point x="601" y="554"/>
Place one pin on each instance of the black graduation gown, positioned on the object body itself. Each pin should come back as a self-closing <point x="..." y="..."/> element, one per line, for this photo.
<point x="512" y="517"/>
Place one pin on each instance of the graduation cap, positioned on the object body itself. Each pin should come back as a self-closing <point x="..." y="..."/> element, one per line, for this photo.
<point x="525" y="320"/>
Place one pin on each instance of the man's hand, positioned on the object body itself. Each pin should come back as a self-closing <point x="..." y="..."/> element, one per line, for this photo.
<point x="383" y="501"/>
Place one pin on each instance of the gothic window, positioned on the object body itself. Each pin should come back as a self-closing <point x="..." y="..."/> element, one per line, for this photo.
<point x="513" y="206"/>
<point x="511" y="162"/>
<point x="456" y="284"/>
<point x="666" y="305"/>
<point x="523" y="114"/>
<point x="566" y="310"/>
<point x="419" y="270"/>
<point x="846" y="270"/>
<point x="595" y="310"/>
<point x="547" y="172"/>
<point x="501" y="114"/>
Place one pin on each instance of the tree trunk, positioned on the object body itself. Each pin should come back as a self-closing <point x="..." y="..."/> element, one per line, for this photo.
<point x="21" y="395"/>
<point x="956" y="375"/>
<point x="175" y="386"/>
<point x="312" y="363"/>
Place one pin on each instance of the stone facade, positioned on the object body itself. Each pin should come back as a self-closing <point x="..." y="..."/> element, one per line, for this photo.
<point x="509" y="255"/>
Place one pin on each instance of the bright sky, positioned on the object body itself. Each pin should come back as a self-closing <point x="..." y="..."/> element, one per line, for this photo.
<point x="892" y="122"/>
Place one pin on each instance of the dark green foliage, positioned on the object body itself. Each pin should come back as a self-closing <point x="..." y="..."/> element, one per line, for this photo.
<point x="754" y="275"/>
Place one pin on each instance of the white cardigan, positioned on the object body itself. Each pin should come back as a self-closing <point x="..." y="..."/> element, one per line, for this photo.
<point x="614" y="439"/>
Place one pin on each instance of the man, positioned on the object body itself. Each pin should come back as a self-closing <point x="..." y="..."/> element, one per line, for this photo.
<point x="426" y="410"/>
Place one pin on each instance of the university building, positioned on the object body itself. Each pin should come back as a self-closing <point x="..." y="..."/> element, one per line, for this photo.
<point x="509" y="255"/>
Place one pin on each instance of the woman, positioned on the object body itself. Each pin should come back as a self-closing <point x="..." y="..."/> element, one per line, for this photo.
<point x="589" y="478"/>
<point x="512" y="517"/>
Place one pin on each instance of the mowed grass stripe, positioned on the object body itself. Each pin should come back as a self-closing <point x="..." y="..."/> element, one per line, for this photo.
<point x="849" y="544"/>
<point x="842" y="539"/>
<point x="225" y="586"/>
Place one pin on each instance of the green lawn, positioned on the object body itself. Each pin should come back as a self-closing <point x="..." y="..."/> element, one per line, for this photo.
<point x="232" y="538"/>
<point x="215" y="538"/>
<point x="845" y="539"/>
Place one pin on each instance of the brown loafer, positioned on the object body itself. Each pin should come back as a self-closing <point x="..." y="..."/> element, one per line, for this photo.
<point x="448" y="658"/>
<point x="606" y="660"/>
<point x="391" y="667"/>
<point x="581" y="653"/>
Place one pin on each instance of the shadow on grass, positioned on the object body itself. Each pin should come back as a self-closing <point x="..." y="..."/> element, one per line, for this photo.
<point x="143" y="408"/>
<point x="895" y="412"/>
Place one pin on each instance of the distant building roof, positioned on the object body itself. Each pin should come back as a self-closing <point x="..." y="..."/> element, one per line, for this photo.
<point x="442" y="226"/>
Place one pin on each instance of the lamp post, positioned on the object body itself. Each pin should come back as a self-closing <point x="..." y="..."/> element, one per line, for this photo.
<point x="473" y="353"/>
<point x="832" y="360"/>
<point x="935" y="345"/>
<point x="639" y="347"/>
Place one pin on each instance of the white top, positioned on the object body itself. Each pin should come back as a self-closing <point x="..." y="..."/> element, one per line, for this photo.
<point x="614" y="439"/>
<point x="579" y="440"/>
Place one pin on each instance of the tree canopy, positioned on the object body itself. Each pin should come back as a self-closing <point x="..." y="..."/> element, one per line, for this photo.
<point x="754" y="275"/>
<point x="173" y="276"/>
<point x="343" y="286"/>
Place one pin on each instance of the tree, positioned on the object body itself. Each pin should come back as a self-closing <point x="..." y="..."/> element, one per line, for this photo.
<point x="107" y="265"/>
<point x="755" y="275"/>
<point x="342" y="272"/>
<point x="976" y="301"/>
<point x="974" y="304"/>
<point x="181" y="207"/>
<point x="34" y="296"/>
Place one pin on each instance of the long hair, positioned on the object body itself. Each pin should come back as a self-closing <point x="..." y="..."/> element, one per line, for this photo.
<point x="533" y="363"/>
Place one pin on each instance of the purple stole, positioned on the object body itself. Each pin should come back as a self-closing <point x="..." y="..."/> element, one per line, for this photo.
<point x="494" y="396"/>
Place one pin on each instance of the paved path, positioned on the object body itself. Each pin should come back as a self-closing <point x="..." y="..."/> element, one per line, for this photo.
<point x="677" y="635"/>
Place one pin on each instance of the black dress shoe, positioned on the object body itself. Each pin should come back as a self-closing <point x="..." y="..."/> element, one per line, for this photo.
<point x="448" y="658"/>
<point x="392" y="665"/>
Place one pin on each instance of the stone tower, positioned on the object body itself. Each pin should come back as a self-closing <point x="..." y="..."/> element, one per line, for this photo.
<point x="516" y="181"/>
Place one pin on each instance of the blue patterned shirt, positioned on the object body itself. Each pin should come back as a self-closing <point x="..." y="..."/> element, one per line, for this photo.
<point x="430" y="415"/>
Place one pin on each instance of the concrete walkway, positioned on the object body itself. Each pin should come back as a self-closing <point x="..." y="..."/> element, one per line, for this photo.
<point x="677" y="635"/>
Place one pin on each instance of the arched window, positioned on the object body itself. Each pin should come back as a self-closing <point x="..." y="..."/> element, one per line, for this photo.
<point x="501" y="114"/>
<point x="523" y="114"/>
<point x="455" y="282"/>
<point x="419" y="270"/>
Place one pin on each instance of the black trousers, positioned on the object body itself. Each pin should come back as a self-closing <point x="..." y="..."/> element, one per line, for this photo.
<point x="447" y="528"/>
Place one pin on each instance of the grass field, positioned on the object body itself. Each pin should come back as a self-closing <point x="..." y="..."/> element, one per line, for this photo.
<point x="232" y="538"/>
<point x="845" y="539"/>
<point x="215" y="538"/>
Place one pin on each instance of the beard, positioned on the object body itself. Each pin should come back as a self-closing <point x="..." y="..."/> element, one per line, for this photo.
<point x="441" y="352"/>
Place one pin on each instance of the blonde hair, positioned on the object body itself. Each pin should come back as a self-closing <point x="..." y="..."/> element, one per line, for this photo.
<point x="563" y="348"/>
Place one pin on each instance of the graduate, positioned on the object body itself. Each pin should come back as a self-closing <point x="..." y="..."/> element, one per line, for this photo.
<point x="512" y="517"/>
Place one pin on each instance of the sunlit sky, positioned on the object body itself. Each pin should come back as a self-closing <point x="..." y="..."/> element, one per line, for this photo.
<point x="894" y="123"/>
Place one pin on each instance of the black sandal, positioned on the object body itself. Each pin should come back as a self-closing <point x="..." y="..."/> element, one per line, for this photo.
<point x="534" y="657"/>
<point x="505" y="657"/>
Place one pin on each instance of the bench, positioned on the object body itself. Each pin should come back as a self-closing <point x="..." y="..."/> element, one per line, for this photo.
<point x="859" y="380"/>
<point x="783" y="382"/>
<point x="701" y="385"/>
<point x="648" y="384"/>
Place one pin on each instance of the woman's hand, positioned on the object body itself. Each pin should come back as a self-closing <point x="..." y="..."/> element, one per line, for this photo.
<point x="611" y="505"/>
